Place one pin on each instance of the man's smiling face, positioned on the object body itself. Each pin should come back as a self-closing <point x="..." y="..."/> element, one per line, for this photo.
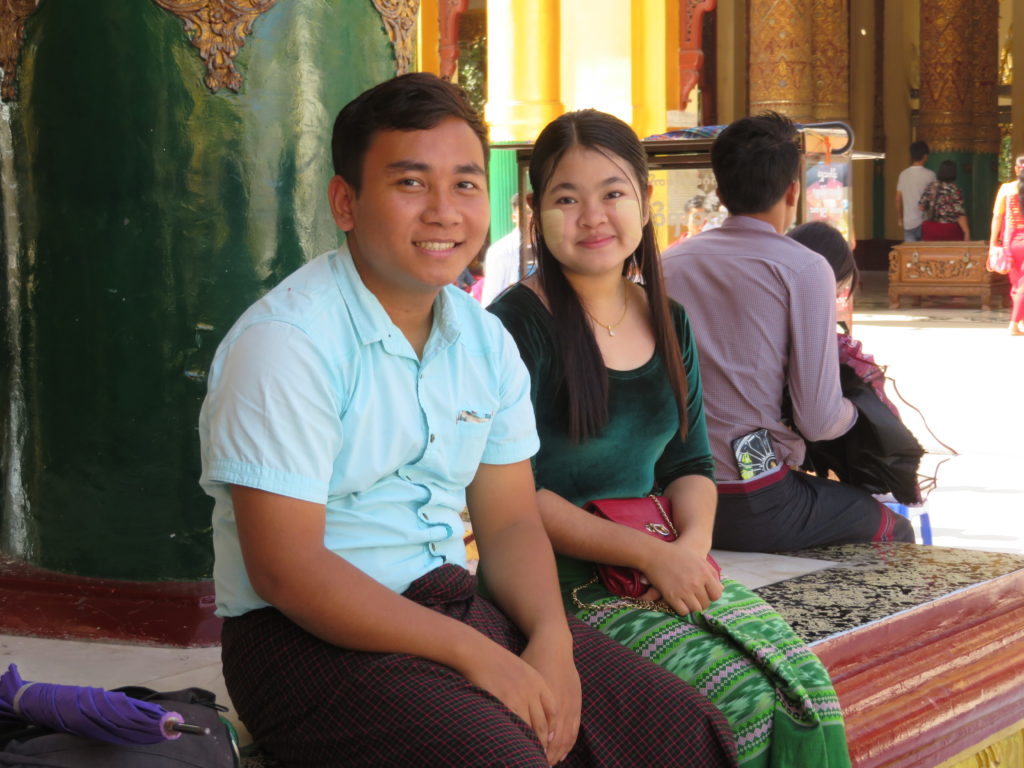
<point x="422" y="212"/>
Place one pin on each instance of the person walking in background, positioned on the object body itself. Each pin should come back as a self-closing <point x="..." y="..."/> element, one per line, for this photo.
<point x="617" y="392"/>
<point x="1006" y="243"/>
<point x="909" y="188"/>
<point x="942" y="204"/>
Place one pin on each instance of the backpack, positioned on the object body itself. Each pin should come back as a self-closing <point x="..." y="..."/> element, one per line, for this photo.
<point x="35" y="747"/>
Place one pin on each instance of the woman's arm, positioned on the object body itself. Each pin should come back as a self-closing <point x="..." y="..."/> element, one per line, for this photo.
<point x="995" y="237"/>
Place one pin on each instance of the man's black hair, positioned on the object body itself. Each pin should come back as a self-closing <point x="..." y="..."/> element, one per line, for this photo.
<point x="755" y="159"/>
<point x="918" y="151"/>
<point x="413" y="102"/>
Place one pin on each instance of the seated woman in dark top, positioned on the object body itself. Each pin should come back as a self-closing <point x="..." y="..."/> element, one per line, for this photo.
<point x="617" y="395"/>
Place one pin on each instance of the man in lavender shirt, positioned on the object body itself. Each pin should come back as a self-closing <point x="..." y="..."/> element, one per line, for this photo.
<point x="762" y="308"/>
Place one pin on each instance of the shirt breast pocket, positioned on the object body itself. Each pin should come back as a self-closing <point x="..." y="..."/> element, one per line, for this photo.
<point x="472" y="428"/>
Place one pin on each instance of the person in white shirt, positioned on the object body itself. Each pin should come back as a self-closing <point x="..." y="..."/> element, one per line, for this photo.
<point x="909" y="188"/>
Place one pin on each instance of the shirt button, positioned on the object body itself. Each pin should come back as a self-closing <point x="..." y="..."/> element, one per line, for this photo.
<point x="426" y="515"/>
<point x="433" y="548"/>
<point x="432" y="438"/>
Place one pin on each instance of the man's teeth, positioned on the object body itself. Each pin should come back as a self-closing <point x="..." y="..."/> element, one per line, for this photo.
<point x="435" y="245"/>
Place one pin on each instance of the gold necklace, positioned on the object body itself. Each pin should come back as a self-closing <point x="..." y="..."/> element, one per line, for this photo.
<point x="625" y="306"/>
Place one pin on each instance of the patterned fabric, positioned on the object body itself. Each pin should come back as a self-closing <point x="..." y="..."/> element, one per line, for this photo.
<point x="943" y="202"/>
<point x="310" y="703"/>
<point x="745" y="658"/>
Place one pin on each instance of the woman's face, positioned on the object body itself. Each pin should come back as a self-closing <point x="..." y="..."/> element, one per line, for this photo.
<point x="592" y="212"/>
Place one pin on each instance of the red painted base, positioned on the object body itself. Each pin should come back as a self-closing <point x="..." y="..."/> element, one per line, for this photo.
<point x="922" y="686"/>
<point x="44" y="603"/>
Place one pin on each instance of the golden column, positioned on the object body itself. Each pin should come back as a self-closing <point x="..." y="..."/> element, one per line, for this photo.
<point x="945" y="119"/>
<point x="523" y="66"/>
<point x="780" y="58"/>
<point x="830" y="56"/>
<point x="984" y="115"/>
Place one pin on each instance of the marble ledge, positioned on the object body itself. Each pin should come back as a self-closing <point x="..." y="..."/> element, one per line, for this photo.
<point x="871" y="582"/>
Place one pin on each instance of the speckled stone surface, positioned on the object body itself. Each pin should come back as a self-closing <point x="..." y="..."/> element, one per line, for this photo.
<point x="872" y="581"/>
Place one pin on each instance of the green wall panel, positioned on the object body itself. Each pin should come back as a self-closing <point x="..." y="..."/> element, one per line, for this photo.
<point x="152" y="212"/>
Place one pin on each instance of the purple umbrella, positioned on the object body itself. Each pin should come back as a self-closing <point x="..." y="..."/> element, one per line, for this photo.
<point x="90" y="712"/>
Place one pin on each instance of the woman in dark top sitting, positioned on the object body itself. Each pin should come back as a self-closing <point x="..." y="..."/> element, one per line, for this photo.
<point x="617" y="395"/>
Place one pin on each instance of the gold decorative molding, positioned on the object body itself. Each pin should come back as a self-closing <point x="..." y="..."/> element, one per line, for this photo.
<point x="985" y="76"/>
<point x="830" y="52"/>
<point x="218" y="28"/>
<point x="781" y="58"/>
<point x="399" y="18"/>
<point x="12" y="33"/>
<point x="944" y="116"/>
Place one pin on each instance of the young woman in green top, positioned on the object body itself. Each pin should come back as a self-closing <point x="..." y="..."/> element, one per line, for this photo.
<point x="617" y="395"/>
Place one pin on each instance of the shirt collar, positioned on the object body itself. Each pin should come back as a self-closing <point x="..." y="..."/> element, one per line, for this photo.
<point x="371" y="321"/>
<point x="746" y="222"/>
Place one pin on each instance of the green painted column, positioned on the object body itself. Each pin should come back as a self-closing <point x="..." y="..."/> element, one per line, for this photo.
<point x="149" y="213"/>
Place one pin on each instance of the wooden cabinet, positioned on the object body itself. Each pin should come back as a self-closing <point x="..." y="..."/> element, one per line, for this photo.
<point x="936" y="268"/>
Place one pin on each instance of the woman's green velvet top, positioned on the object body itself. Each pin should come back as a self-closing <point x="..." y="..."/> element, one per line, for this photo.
<point x="637" y="451"/>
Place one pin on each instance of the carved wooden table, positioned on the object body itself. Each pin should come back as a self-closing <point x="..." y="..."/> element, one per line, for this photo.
<point x="945" y="268"/>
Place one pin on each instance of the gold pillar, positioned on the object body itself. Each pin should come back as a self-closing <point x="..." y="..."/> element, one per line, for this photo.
<point x="830" y="54"/>
<point x="985" y="76"/>
<point x="780" y="54"/>
<point x="899" y="47"/>
<point x="862" y="110"/>
<point x="1017" y="86"/>
<point x="523" y="65"/>
<point x="945" y="119"/>
<point x="427" y="25"/>
<point x="648" y="54"/>
<point x="731" y="64"/>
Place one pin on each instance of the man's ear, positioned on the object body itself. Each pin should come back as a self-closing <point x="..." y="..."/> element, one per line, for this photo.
<point x="793" y="194"/>
<point x="342" y="198"/>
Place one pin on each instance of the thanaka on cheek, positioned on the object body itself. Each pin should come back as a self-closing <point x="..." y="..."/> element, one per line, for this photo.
<point x="552" y="224"/>
<point x="631" y="220"/>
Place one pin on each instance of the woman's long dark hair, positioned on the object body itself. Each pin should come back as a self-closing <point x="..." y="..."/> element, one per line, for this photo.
<point x="585" y="375"/>
<point x="1019" y="162"/>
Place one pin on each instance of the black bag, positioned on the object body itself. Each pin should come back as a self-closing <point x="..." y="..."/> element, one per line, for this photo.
<point x="878" y="454"/>
<point x="33" y="747"/>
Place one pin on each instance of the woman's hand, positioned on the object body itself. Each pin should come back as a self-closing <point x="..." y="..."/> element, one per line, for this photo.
<point x="680" y="575"/>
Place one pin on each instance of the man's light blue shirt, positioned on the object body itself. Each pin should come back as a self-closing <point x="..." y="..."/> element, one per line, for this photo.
<point x="315" y="394"/>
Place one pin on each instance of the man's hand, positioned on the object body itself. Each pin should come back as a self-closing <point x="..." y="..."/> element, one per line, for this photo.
<point x="526" y="685"/>
<point x="681" y="576"/>
<point x="553" y="659"/>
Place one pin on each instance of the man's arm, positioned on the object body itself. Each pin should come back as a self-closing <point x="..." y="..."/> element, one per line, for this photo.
<point x="819" y="409"/>
<point x="519" y="566"/>
<point x="289" y="567"/>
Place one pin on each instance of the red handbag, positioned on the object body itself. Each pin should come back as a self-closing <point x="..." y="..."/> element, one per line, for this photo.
<point x="650" y="514"/>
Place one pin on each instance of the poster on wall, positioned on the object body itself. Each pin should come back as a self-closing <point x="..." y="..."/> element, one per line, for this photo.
<point x="827" y="191"/>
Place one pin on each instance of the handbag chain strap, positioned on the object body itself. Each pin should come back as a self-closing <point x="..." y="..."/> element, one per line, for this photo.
<point x="628" y="602"/>
<point x="623" y="602"/>
<point x="664" y="514"/>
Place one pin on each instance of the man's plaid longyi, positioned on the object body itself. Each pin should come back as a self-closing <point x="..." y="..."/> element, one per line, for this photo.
<point x="310" y="703"/>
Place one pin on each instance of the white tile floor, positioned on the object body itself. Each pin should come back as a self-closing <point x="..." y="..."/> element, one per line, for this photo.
<point x="958" y="365"/>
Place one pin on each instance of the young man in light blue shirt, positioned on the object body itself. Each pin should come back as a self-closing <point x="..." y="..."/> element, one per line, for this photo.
<point x="352" y="413"/>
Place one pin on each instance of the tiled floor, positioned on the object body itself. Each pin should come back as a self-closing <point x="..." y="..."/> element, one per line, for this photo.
<point x="954" y="362"/>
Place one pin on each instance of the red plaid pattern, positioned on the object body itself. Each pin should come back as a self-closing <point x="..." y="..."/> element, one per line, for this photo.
<point x="310" y="703"/>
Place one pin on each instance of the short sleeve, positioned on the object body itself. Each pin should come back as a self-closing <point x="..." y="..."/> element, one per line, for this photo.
<point x="272" y="414"/>
<point x="513" y="433"/>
